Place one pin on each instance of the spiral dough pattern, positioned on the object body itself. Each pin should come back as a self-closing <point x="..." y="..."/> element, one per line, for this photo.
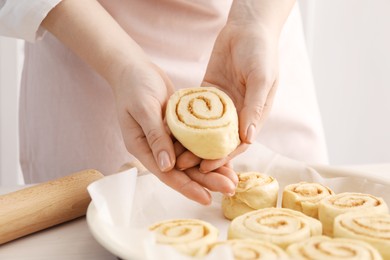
<point x="250" y="249"/>
<point x="186" y="235"/>
<point x="254" y="191"/>
<point x="373" y="228"/>
<point x="276" y="225"/>
<point x="322" y="247"/>
<point x="335" y="205"/>
<point x="305" y="197"/>
<point x="204" y="120"/>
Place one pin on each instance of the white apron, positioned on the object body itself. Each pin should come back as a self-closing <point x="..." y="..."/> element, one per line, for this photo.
<point x="68" y="117"/>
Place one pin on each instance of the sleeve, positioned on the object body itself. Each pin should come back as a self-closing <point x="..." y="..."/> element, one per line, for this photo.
<point x="22" y="18"/>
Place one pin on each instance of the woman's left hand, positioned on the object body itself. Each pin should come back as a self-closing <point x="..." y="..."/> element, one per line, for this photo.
<point x="244" y="64"/>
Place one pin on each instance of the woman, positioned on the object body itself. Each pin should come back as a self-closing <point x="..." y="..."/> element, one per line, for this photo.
<point x="95" y="87"/>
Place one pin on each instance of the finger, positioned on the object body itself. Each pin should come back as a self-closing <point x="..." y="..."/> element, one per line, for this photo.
<point x="184" y="184"/>
<point x="213" y="181"/>
<point x="184" y="158"/>
<point x="179" y="148"/>
<point x="187" y="160"/>
<point x="137" y="144"/>
<point x="229" y="164"/>
<point x="258" y="99"/>
<point x="160" y="143"/>
<point x="177" y="180"/>
<point x="211" y="165"/>
<point x="229" y="173"/>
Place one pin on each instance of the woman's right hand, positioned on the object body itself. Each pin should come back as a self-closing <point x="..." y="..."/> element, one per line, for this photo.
<point x="141" y="90"/>
<point x="141" y="93"/>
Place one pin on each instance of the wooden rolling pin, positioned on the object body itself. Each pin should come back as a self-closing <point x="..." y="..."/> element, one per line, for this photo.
<point x="44" y="205"/>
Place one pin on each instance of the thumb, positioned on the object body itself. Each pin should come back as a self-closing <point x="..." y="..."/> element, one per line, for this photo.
<point x="257" y="104"/>
<point x="158" y="139"/>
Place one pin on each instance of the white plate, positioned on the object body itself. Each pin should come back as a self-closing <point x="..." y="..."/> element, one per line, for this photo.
<point x="109" y="237"/>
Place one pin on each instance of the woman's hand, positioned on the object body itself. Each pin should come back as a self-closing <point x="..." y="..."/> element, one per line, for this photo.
<point x="244" y="64"/>
<point x="141" y="96"/>
<point x="141" y="90"/>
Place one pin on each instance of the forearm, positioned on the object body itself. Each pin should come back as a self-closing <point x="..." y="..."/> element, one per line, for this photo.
<point x="90" y="31"/>
<point x="269" y="14"/>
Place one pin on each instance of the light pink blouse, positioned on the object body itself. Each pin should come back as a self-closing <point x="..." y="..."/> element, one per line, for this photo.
<point x="67" y="114"/>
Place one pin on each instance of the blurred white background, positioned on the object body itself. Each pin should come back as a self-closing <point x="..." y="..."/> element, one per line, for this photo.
<point x="349" y="46"/>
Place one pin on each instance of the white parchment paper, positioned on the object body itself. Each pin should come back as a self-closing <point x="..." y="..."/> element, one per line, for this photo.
<point x="124" y="205"/>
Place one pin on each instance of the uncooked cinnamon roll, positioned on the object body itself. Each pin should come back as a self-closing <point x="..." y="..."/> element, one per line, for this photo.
<point x="186" y="235"/>
<point x="254" y="191"/>
<point x="204" y="120"/>
<point x="373" y="228"/>
<point x="335" y="205"/>
<point x="322" y="247"/>
<point x="276" y="225"/>
<point x="249" y="249"/>
<point x="305" y="197"/>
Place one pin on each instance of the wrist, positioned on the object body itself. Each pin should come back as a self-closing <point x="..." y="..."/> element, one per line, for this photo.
<point x="269" y="15"/>
<point x="120" y="62"/>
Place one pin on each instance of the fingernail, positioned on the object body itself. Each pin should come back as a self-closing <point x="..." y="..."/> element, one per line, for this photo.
<point x="250" y="133"/>
<point x="230" y="194"/>
<point x="163" y="161"/>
